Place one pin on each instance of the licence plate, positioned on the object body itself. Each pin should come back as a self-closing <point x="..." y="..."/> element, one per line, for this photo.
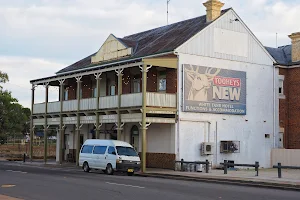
<point x="130" y="170"/>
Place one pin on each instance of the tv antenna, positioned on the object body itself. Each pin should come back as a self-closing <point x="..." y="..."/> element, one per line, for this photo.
<point x="276" y="40"/>
<point x="168" y="1"/>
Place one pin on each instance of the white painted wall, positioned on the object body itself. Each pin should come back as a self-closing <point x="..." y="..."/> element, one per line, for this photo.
<point x="216" y="47"/>
<point x="250" y="133"/>
<point x="210" y="43"/>
<point x="160" y="137"/>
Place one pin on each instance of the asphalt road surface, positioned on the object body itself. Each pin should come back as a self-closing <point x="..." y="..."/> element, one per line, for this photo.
<point x="31" y="183"/>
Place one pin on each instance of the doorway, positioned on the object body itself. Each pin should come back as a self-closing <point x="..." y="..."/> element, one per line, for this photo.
<point x="81" y="141"/>
<point x="135" y="137"/>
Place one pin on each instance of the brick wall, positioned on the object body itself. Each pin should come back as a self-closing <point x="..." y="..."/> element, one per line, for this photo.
<point x="293" y="102"/>
<point x="296" y="50"/>
<point x="160" y="160"/>
<point x="87" y="86"/>
<point x="289" y="115"/>
<point x="283" y="107"/>
<point x="152" y="80"/>
<point x="126" y="85"/>
<point x="72" y="89"/>
<point x="171" y="80"/>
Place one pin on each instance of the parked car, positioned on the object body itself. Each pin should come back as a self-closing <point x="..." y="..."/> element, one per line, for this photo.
<point x="109" y="156"/>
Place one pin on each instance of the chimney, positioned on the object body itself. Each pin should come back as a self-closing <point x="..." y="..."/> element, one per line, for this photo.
<point x="213" y="9"/>
<point x="295" y="37"/>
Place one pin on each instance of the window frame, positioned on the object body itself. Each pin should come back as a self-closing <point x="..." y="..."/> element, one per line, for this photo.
<point x="160" y="76"/>
<point x="110" y="90"/>
<point x="138" y="82"/>
<point x="100" y="153"/>
<point x="66" y="95"/>
<point x="109" y="147"/>
<point x="281" y="87"/>
<point x="92" y="147"/>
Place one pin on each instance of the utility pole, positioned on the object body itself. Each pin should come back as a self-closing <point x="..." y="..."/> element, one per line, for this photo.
<point x="168" y="1"/>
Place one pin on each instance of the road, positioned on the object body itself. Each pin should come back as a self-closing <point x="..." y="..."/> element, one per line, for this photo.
<point x="31" y="183"/>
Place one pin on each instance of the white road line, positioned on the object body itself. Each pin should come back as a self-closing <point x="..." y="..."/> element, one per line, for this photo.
<point x="134" y="186"/>
<point x="16" y="171"/>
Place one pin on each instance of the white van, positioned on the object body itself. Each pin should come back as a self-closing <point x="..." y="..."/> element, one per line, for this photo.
<point x="109" y="156"/>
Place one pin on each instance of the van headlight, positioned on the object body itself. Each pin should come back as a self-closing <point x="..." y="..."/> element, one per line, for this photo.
<point x="119" y="161"/>
<point x="138" y="163"/>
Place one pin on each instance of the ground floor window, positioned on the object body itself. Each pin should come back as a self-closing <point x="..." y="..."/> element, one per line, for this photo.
<point x="135" y="137"/>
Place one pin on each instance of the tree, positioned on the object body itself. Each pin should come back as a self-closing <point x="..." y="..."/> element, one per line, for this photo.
<point x="3" y="78"/>
<point x="14" y="119"/>
<point x="26" y="125"/>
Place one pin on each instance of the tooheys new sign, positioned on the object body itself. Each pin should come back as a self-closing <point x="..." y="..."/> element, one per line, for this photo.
<point x="214" y="90"/>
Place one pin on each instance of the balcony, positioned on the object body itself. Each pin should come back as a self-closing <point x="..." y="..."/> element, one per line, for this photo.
<point x="131" y="100"/>
<point x="161" y="100"/>
<point x="110" y="102"/>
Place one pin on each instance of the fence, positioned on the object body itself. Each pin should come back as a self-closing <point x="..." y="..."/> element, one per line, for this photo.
<point x="226" y="165"/>
<point x="279" y="167"/>
<point x="182" y="162"/>
<point x="17" y="150"/>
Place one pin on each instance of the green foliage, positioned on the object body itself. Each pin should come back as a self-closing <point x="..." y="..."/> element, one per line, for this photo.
<point x="14" y="119"/>
<point x="3" y="78"/>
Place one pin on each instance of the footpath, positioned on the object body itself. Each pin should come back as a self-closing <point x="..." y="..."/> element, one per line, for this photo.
<point x="267" y="177"/>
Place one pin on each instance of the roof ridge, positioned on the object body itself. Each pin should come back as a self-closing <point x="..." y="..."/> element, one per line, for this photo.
<point x="125" y="37"/>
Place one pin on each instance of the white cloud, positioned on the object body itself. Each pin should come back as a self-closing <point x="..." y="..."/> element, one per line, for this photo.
<point x="63" y="31"/>
<point x="21" y="70"/>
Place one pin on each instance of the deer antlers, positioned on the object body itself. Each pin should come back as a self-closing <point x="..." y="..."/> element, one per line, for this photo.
<point x="192" y="70"/>
<point x="208" y="72"/>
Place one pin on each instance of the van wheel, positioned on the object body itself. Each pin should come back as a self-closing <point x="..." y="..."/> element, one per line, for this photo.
<point x="86" y="167"/>
<point x="109" y="170"/>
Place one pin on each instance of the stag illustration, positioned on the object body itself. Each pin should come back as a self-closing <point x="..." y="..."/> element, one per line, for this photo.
<point x="200" y="83"/>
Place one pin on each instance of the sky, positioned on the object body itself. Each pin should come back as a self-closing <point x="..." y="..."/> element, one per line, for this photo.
<point x="40" y="37"/>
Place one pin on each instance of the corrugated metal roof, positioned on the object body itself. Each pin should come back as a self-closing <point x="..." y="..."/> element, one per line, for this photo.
<point x="282" y="55"/>
<point x="155" y="41"/>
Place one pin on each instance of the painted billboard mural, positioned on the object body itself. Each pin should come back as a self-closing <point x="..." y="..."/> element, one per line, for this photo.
<point x="214" y="90"/>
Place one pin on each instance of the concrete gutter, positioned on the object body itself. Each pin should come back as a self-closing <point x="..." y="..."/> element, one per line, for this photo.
<point x="227" y="180"/>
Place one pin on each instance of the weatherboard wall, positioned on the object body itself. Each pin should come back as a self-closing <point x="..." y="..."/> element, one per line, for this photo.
<point x="226" y="39"/>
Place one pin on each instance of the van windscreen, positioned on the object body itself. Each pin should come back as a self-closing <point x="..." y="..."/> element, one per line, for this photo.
<point x="126" y="151"/>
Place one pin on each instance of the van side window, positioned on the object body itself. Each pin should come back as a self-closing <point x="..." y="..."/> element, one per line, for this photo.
<point x="100" y="149"/>
<point x="87" y="149"/>
<point x="111" y="150"/>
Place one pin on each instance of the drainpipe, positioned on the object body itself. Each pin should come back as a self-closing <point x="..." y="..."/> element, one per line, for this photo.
<point x="216" y="138"/>
<point x="274" y="109"/>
